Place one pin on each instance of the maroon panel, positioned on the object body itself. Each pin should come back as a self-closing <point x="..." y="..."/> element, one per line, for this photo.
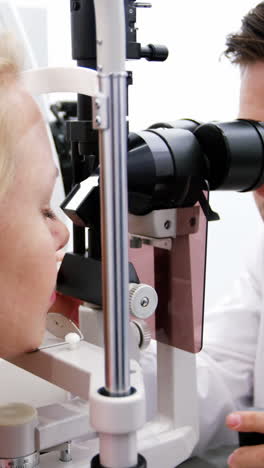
<point x="179" y="282"/>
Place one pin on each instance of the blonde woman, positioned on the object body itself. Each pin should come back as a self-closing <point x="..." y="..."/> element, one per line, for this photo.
<point x="30" y="233"/>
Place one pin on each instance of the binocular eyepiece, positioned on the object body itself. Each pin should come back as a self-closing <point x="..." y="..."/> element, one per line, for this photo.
<point x="169" y="164"/>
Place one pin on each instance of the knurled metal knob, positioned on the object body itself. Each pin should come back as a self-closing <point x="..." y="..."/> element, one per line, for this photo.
<point x="144" y="333"/>
<point x="143" y="300"/>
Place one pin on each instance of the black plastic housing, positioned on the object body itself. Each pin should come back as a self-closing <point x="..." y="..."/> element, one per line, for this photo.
<point x="235" y="154"/>
<point x="82" y="277"/>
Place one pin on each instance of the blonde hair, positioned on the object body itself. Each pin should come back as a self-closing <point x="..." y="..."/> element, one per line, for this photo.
<point x="11" y="66"/>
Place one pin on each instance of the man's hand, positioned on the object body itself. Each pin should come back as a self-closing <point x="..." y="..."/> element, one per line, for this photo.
<point x="247" y="457"/>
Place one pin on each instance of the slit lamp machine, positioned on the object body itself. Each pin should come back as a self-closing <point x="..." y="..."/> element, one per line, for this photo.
<point x="139" y="203"/>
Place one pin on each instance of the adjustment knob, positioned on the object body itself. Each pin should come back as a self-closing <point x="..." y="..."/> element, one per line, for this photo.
<point x="143" y="300"/>
<point x="144" y="333"/>
<point x="18" y="424"/>
<point x="155" y="52"/>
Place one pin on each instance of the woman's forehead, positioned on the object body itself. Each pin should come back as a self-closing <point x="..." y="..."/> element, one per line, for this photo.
<point x="23" y="110"/>
<point x="31" y="145"/>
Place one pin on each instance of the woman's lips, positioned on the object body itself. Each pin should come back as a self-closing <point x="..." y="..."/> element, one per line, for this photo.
<point x="59" y="257"/>
<point x="53" y="297"/>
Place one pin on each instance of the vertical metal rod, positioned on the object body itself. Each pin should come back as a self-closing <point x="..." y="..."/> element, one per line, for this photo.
<point x="114" y="219"/>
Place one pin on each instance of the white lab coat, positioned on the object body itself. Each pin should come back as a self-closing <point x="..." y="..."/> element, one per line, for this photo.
<point x="230" y="368"/>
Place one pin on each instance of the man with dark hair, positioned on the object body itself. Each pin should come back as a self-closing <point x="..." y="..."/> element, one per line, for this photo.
<point x="247" y="46"/>
<point x="231" y="365"/>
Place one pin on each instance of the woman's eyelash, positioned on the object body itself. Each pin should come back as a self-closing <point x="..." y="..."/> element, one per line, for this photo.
<point x="48" y="213"/>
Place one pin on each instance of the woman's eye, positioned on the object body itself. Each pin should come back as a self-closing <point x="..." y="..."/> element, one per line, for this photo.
<point x="48" y="213"/>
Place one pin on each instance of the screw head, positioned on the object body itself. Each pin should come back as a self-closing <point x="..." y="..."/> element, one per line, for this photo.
<point x="145" y="302"/>
<point x="76" y="6"/>
<point x="167" y="224"/>
<point x="97" y="104"/>
<point x="192" y="221"/>
<point x="98" y="120"/>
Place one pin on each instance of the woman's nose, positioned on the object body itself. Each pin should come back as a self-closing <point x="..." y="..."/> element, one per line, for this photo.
<point x="62" y="235"/>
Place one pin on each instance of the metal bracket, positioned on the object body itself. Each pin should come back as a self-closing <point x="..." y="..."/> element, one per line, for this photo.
<point x="100" y="112"/>
<point x="164" y="224"/>
<point x="159" y="227"/>
<point x="143" y="5"/>
<point x="159" y="224"/>
<point x="136" y="241"/>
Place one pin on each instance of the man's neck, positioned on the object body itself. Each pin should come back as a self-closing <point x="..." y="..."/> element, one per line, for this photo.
<point x="252" y="92"/>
